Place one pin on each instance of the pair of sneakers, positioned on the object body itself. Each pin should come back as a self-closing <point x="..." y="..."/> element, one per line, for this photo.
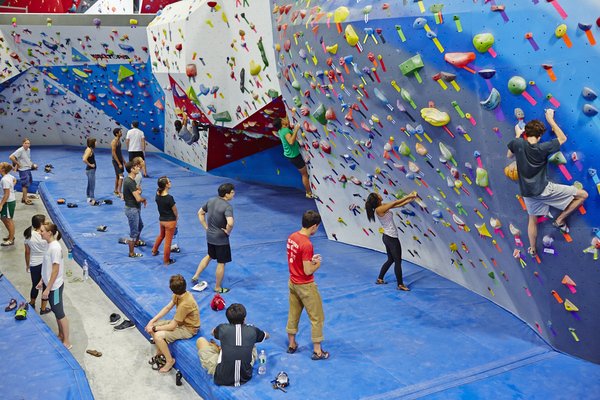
<point x="120" y="324"/>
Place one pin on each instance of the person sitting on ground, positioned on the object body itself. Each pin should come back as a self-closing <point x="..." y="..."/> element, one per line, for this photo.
<point x="184" y="324"/>
<point x="8" y="202"/>
<point x="291" y="150"/>
<point x="232" y="362"/>
<point x="538" y="192"/>
<point x="167" y="218"/>
<point x="35" y="249"/>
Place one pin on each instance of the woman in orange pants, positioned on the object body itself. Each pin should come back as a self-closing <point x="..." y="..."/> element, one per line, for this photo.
<point x="167" y="211"/>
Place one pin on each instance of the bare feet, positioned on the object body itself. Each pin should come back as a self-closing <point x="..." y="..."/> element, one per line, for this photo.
<point x="69" y="346"/>
<point x="167" y="367"/>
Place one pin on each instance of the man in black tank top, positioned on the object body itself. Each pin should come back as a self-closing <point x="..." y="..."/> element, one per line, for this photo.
<point x="117" y="160"/>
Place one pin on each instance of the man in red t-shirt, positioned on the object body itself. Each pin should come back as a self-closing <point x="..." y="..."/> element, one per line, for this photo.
<point x="303" y="289"/>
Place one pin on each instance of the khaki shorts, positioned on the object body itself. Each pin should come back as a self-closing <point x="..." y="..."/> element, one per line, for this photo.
<point x="209" y="358"/>
<point x="554" y="195"/>
<point x="178" y="333"/>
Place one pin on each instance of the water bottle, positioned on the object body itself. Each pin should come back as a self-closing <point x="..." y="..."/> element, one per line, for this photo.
<point x="262" y="363"/>
<point x="85" y="270"/>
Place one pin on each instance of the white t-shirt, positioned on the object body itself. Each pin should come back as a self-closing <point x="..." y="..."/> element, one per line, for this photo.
<point x="8" y="182"/>
<point x="23" y="158"/>
<point x="135" y="137"/>
<point x="53" y="256"/>
<point x="37" y="247"/>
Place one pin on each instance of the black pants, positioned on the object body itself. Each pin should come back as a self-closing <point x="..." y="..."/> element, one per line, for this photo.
<point x="394" y="253"/>
<point x="36" y="276"/>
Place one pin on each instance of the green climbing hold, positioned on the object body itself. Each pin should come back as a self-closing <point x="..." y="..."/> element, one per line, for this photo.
<point x="558" y="158"/>
<point x="319" y="114"/>
<point x="481" y="177"/>
<point x="124" y="73"/>
<point x="517" y="85"/>
<point x="483" y="42"/>
<point x="222" y="116"/>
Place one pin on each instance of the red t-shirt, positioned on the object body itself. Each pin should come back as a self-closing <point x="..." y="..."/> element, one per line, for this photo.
<point x="299" y="249"/>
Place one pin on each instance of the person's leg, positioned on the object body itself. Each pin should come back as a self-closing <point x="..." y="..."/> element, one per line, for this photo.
<point x="220" y="272"/>
<point x="159" y="238"/>
<point x="390" y="259"/>
<point x="574" y="205"/>
<point x="163" y="348"/>
<point x="396" y="251"/>
<point x="532" y="231"/>
<point x="24" y="190"/>
<point x="11" y="230"/>
<point x="169" y="227"/>
<point x="140" y="224"/>
<point x="132" y="220"/>
<point x="294" y="313"/>
<point x="208" y="352"/>
<point x="63" y="324"/>
<point x="201" y="267"/>
<point x="93" y="183"/>
<point x="311" y="298"/>
<point x="36" y="275"/>
<point x="305" y="180"/>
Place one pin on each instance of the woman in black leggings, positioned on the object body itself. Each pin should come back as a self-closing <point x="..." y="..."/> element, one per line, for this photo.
<point x="35" y="248"/>
<point x="375" y="206"/>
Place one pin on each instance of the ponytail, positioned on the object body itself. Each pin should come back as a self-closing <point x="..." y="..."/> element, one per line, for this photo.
<point x="370" y="205"/>
<point x="36" y="222"/>
<point x="162" y="185"/>
<point x="52" y="228"/>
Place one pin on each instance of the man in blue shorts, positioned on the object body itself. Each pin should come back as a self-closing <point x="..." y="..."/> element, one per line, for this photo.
<point x="21" y="158"/>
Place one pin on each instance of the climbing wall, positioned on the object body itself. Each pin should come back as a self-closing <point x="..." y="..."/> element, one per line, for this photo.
<point x="230" y="82"/>
<point x="106" y="7"/>
<point x="81" y="81"/>
<point x="402" y="96"/>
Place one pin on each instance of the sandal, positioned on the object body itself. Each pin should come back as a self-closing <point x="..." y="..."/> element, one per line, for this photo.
<point x="222" y="290"/>
<point x="140" y="243"/>
<point x="292" y="350"/>
<point x="532" y="252"/>
<point x="155" y="253"/>
<point x="323" y="356"/>
<point x="404" y="288"/>
<point x="7" y="243"/>
<point x="45" y="311"/>
<point x="171" y="261"/>
<point x="12" y="304"/>
<point x="380" y="282"/>
<point x="27" y="202"/>
<point x="563" y="227"/>
<point x="136" y="255"/>
<point x="94" y="353"/>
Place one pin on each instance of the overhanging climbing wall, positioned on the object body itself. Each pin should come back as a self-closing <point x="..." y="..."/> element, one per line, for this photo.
<point x="402" y="96"/>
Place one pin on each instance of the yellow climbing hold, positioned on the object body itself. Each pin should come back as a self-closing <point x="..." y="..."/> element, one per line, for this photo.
<point x="351" y="36"/>
<point x="80" y="73"/>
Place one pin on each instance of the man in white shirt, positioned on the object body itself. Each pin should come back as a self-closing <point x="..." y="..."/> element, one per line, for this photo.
<point x="21" y="159"/>
<point x="136" y="144"/>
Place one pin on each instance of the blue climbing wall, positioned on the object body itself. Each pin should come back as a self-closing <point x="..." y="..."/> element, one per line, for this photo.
<point x="361" y="114"/>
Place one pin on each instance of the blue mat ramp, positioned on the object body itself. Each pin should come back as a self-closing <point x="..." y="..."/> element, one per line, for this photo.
<point x="35" y="364"/>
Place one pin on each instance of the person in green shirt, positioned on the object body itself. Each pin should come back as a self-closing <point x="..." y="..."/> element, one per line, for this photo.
<point x="291" y="150"/>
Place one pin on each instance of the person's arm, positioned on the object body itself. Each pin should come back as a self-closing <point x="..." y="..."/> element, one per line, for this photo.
<point x="138" y="197"/>
<point x="384" y="207"/>
<point x="174" y="208"/>
<point x="292" y="137"/>
<point x="13" y="158"/>
<point x="560" y="135"/>
<point x="127" y="142"/>
<point x="113" y="151"/>
<point x="229" y="226"/>
<point x="202" y="218"/>
<point x="53" y="276"/>
<point x="27" y="257"/>
<point x="159" y="316"/>
<point x="143" y="142"/>
<point x="311" y="266"/>
<point x="4" y="197"/>
<point x="86" y="155"/>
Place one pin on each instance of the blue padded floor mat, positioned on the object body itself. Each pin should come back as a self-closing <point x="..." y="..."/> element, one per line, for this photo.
<point x="35" y="364"/>
<point x="437" y="340"/>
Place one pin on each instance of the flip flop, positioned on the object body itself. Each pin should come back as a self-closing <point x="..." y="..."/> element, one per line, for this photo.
<point x="12" y="304"/>
<point x="380" y="282"/>
<point x="222" y="290"/>
<point x="94" y="353"/>
<point x="404" y="288"/>
<point x="292" y="350"/>
<point x="27" y="202"/>
<point x="323" y="356"/>
<point x="563" y="227"/>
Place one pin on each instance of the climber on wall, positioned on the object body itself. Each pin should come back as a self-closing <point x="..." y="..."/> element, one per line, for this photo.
<point x="538" y="192"/>
<point x="291" y="150"/>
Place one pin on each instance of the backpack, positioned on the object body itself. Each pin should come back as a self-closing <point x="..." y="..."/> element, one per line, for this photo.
<point x="217" y="303"/>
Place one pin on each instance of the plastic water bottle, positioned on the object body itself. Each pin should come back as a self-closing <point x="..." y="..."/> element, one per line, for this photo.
<point x="262" y="363"/>
<point x="85" y="270"/>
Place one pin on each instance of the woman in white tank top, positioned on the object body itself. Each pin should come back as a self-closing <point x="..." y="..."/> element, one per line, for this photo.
<point x="35" y="248"/>
<point x="375" y="206"/>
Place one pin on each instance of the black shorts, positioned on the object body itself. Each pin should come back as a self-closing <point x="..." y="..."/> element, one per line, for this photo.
<point x="298" y="161"/>
<point x="134" y="154"/>
<point x="56" y="302"/>
<point x="118" y="171"/>
<point x="220" y="252"/>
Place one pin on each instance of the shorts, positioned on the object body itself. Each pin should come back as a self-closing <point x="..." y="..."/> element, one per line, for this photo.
<point x="8" y="210"/>
<point x="26" y="178"/>
<point x="178" y="333"/>
<point x="554" y="195"/>
<point x="220" y="252"/>
<point x="134" y="154"/>
<point x="56" y="302"/>
<point x="118" y="171"/>
<point x="134" y="218"/>
<point x="298" y="161"/>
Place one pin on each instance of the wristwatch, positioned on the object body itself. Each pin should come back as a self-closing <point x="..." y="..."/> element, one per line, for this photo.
<point x="154" y="329"/>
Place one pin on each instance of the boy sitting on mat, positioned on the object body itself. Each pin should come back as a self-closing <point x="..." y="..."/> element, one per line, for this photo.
<point x="184" y="325"/>
<point x="231" y="364"/>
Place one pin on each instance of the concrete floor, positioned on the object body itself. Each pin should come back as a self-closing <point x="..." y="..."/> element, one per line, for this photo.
<point x="123" y="370"/>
